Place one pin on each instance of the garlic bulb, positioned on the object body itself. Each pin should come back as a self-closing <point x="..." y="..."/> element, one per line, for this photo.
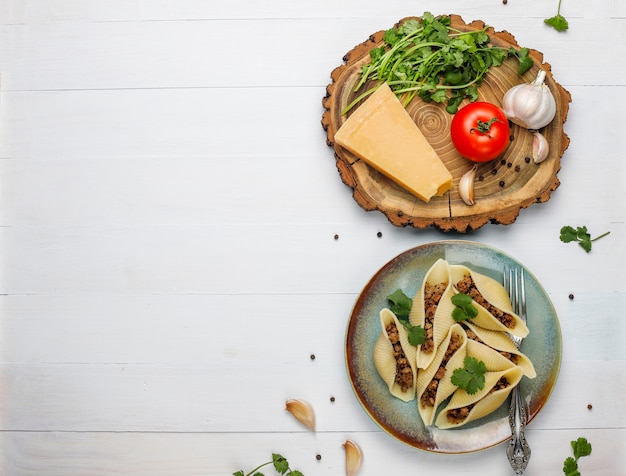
<point x="541" y="148"/>
<point x="466" y="185"/>
<point x="530" y="105"/>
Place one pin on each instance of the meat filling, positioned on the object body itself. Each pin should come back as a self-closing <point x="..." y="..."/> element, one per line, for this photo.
<point x="428" y="397"/>
<point x="432" y="296"/>
<point x="404" y="374"/>
<point x="514" y="358"/>
<point x="458" y="415"/>
<point x="467" y="286"/>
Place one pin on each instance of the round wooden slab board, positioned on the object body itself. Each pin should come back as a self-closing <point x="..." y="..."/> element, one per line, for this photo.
<point x="502" y="187"/>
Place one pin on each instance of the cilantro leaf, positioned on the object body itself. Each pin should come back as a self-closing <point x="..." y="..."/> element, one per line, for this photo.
<point x="581" y="448"/>
<point x="471" y="377"/>
<point x="400" y="304"/>
<point x="239" y="473"/>
<point x="570" y="467"/>
<point x="579" y="235"/>
<point x="280" y="463"/>
<point x="416" y="334"/>
<point x="558" y="21"/>
<point x="464" y="309"/>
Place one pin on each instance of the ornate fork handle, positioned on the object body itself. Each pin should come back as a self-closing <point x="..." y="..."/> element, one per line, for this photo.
<point x="518" y="450"/>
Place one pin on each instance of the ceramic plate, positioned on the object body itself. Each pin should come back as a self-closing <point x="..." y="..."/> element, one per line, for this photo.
<point x="401" y="419"/>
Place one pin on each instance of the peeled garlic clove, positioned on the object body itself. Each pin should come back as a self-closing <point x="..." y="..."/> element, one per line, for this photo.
<point x="353" y="457"/>
<point x="466" y="186"/>
<point x="541" y="148"/>
<point x="302" y="411"/>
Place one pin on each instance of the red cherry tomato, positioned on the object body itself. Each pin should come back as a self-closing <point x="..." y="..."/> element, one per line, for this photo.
<point x="480" y="131"/>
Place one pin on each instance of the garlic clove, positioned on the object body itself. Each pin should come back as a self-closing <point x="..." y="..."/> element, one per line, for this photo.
<point x="466" y="185"/>
<point x="541" y="148"/>
<point x="353" y="457"/>
<point x="302" y="411"/>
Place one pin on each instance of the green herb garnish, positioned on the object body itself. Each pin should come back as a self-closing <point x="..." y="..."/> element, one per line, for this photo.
<point x="581" y="447"/>
<point x="400" y="304"/>
<point x="415" y="334"/>
<point x="464" y="309"/>
<point x="558" y="21"/>
<point x="430" y="58"/>
<point x="471" y="377"/>
<point x="579" y="235"/>
<point x="280" y="465"/>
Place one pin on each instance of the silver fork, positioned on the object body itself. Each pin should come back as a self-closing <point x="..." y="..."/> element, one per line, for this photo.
<point x="518" y="450"/>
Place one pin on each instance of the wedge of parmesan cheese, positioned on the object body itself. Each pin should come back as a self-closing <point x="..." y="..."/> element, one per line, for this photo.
<point x="382" y="133"/>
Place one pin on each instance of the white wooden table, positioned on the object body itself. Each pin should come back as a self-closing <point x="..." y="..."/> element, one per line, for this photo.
<point x="168" y="221"/>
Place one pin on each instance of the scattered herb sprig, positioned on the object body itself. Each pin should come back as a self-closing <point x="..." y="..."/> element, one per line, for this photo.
<point x="581" y="447"/>
<point x="280" y="465"/>
<point x="430" y="58"/>
<point x="464" y="309"/>
<point x="558" y="21"/>
<point x="579" y="235"/>
<point x="471" y="376"/>
<point x="400" y="304"/>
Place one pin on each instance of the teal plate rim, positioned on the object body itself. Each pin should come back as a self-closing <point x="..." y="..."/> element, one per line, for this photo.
<point x="401" y="419"/>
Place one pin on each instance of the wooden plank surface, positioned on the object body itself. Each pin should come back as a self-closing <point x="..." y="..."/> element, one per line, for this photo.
<point x="176" y="241"/>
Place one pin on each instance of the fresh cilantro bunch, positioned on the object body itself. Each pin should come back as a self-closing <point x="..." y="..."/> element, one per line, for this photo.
<point x="471" y="376"/>
<point x="579" y="235"/>
<point x="400" y="304"/>
<point x="581" y="447"/>
<point x="430" y="58"/>
<point x="464" y="309"/>
<point x="280" y="465"/>
<point x="558" y="21"/>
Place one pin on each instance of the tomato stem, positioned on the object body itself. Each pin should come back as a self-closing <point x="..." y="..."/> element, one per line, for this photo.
<point x="485" y="127"/>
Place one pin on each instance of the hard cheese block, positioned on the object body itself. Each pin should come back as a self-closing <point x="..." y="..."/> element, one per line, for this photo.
<point x="382" y="133"/>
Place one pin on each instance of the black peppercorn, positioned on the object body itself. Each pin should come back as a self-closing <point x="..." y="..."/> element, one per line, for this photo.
<point x="571" y="296"/>
<point x="501" y="183"/>
<point x="379" y="234"/>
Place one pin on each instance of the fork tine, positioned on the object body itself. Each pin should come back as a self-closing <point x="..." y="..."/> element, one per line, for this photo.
<point x="522" y="290"/>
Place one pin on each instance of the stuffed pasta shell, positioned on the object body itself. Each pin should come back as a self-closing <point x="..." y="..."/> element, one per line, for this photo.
<point x="434" y="383"/>
<point x="432" y="310"/>
<point x="464" y="407"/>
<point x="502" y="344"/>
<point x="395" y="357"/>
<point x="494" y="306"/>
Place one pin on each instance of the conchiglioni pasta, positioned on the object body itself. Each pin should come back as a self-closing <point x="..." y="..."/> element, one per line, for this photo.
<point x="434" y="383"/>
<point x="432" y="310"/>
<point x="395" y="357"/>
<point x="464" y="407"/>
<point x="503" y="344"/>
<point x="491" y="299"/>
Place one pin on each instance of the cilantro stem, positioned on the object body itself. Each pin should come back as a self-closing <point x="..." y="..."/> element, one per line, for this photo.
<point x="601" y="236"/>
<point x="258" y="467"/>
